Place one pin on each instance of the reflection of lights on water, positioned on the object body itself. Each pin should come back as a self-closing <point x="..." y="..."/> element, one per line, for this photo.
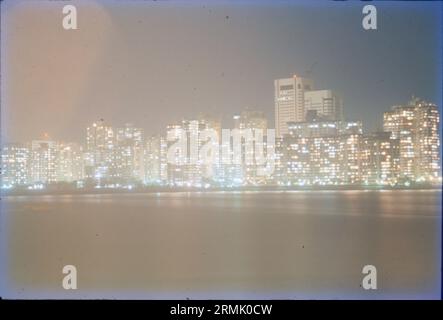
<point x="36" y="187"/>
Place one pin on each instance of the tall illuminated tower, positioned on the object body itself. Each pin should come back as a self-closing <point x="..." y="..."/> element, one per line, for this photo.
<point x="289" y="99"/>
<point x="100" y="142"/>
<point x="416" y="125"/>
<point x="43" y="164"/>
<point x="14" y="165"/>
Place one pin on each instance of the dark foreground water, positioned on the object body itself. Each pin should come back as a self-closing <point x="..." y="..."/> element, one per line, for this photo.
<point x="223" y="245"/>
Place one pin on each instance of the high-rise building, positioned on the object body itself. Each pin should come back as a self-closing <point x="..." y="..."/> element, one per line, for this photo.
<point x="251" y="125"/>
<point x="323" y="153"/>
<point x="427" y="142"/>
<point x="43" y="162"/>
<point x="14" y="165"/>
<point x="416" y="125"/>
<point x="326" y="103"/>
<point x="380" y="159"/>
<point x="100" y="143"/>
<point x="128" y="154"/>
<point x="185" y="166"/>
<point x="70" y="164"/>
<point x="155" y="161"/>
<point x="289" y="98"/>
<point x="400" y="122"/>
<point x="280" y="175"/>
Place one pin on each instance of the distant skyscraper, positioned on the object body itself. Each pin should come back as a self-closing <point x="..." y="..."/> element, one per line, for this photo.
<point x="400" y="121"/>
<point x="43" y="161"/>
<point x="322" y="153"/>
<point x="427" y="142"/>
<point x="128" y="153"/>
<point x="155" y="161"/>
<point x="416" y="125"/>
<point x="280" y="176"/>
<point x="186" y="168"/>
<point x="254" y="122"/>
<point x="14" y="165"/>
<point x="327" y="104"/>
<point x="70" y="164"/>
<point x="289" y="98"/>
<point x="380" y="159"/>
<point x="100" y="143"/>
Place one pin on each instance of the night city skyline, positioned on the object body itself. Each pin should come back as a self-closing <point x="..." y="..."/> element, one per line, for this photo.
<point x="228" y="150"/>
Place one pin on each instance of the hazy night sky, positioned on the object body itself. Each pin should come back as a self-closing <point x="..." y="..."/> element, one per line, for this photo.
<point x="152" y="63"/>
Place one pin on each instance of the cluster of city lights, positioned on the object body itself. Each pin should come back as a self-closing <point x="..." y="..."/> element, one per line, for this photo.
<point x="318" y="151"/>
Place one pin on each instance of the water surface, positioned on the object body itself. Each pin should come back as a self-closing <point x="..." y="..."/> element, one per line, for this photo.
<point x="224" y="244"/>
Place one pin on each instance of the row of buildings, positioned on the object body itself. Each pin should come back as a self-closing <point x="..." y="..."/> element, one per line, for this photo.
<point x="317" y="146"/>
<point x="312" y="145"/>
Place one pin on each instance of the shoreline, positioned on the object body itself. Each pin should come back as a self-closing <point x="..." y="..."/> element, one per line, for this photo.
<point x="148" y="190"/>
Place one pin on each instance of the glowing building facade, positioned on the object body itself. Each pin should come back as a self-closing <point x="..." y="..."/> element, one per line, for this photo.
<point x="251" y="126"/>
<point x="14" y="165"/>
<point x="427" y="142"/>
<point x="43" y="162"/>
<point x="185" y="166"/>
<point x="315" y="152"/>
<point x="100" y="142"/>
<point x="70" y="162"/>
<point x="155" y="161"/>
<point x="400" y="122"/>
<point x="128" y="154"/>
<point x="380" y="159"/>
<point x="323" y="153"/>
<point x="416" y="125"/>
